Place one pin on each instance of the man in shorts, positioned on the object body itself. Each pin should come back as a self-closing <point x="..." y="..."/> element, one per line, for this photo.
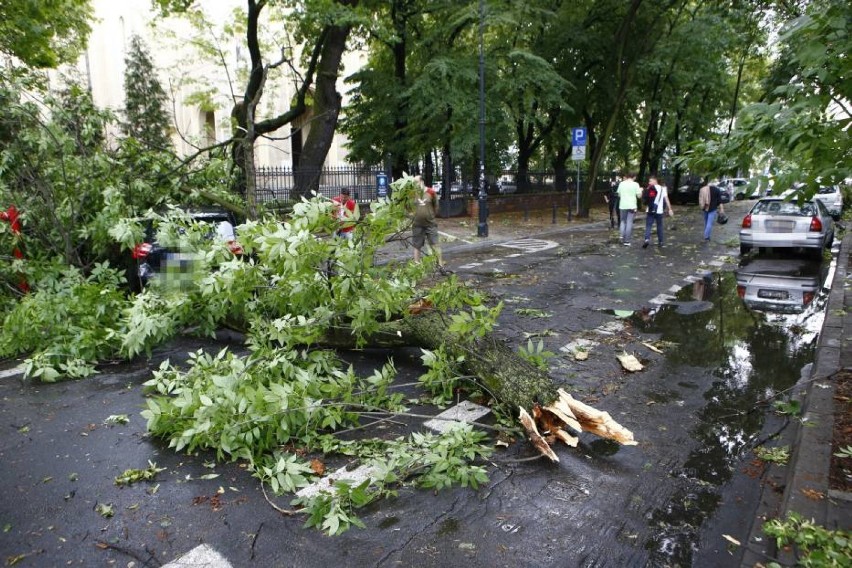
<point x="423" y="226"/>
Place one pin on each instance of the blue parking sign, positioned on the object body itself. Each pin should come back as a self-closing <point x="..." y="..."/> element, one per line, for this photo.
<point x="578" y="136"/>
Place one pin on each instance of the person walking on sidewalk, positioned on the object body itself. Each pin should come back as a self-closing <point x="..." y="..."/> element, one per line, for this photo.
<point x="611" y="198"/>
<point x="710" y="201"/>
<point x="629" y="193"/>
<point x="656" y="199"/>
<point x="423" y="226"/>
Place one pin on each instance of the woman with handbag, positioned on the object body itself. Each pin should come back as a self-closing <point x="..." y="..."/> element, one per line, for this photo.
<point x="656" y="198"/>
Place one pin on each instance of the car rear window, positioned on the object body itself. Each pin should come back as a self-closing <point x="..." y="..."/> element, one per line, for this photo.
<point x="784" y="208"/>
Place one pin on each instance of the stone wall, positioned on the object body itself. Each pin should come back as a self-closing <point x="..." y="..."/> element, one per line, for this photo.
<point x="530" y="202"/>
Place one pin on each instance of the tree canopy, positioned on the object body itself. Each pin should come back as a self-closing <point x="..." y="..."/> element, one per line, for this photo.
<point x="44" y="33"/>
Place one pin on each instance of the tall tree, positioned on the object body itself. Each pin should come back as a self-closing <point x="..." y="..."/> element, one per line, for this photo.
<point x="803" y="118"/>
<point x="315" y="26"/>
<point x="145" y="116"/>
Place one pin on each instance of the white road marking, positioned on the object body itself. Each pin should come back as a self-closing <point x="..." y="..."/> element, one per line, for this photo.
<point x="662" y="299"/>
<point x="492" y="260"/>
<point x="465" y="411"/>
<point x="204" y="555"/>
<point x="471" y="265"/>
<point x="354" y="477"/>
<point x="675" y="289"/>
<point x="452" y="238"/>
<point x="14" y="371"/>
<point x="530" y="245"/>
<point x="610" y="328"/>
<point x="516" y="255"/>
<point x="578" y="344"/>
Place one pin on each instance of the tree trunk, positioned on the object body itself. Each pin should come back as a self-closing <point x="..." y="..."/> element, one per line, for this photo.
<point x="507" y="377"/>
<point x="326" y="108"/>
<point x="560" y="168"/>
<point x="400" y="157"/>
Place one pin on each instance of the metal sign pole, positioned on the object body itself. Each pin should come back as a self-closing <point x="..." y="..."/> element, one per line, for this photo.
<point x="578" y="188"/>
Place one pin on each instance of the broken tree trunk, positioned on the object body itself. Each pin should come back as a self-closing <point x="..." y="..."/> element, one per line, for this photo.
<point x="507" y="377"/>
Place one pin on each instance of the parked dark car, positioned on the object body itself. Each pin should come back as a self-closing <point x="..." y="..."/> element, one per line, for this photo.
<point x="157" y="260"/>
<point x="688" y="194"/>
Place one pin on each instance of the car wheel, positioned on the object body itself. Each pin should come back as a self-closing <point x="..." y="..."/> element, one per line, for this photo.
<point x="744" y="250"/>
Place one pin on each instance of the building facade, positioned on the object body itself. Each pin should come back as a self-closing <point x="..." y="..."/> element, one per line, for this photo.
<point x="203" y="67"/>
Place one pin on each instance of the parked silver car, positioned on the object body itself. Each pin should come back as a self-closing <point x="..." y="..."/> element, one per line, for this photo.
<point x="832" y="198"/>
<point x="776" y="223"/>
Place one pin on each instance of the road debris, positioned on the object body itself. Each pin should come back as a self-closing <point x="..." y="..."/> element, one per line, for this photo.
<point x="629" y="362"/>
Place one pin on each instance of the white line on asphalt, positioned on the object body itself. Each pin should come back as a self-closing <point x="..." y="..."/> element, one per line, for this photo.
<point x="454" y="238"/>
<point x="530" y="245"/>
<point x="516" y="255"/>
<point x="354" y="477"/>
<point x="662" y="299"/>
<point x="471" y="265"/>
<point x="19" y="370"/>
<point x="674" y="289"/>
<point x="492" y="260"/>
<point x="203" y="555"/>
<point x="465" y="411"/>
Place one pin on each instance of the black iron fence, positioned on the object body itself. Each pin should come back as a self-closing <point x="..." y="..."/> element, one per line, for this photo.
<point x="277" y="183"/>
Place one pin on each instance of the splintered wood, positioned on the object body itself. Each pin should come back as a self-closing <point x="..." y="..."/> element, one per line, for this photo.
<point x="420" y="306"/>
<point x="540" y="443"/>
<point x="547" y="423"/>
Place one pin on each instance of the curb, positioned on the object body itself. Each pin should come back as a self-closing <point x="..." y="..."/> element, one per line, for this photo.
<point x="805" y="480"/>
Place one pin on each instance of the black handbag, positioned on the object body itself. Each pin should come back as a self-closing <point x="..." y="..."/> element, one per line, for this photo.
<point x="722" y="219"/>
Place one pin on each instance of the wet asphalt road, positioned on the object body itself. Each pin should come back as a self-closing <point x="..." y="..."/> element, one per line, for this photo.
<point x="665" y="502"/>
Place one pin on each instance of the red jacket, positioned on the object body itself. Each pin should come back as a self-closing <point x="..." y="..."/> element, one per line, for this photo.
<point x="346" y="211"/>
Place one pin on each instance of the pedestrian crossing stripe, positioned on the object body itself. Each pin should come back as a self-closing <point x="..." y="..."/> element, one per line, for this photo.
<point x="204" y="555"/>
<point x="14" y="371"/>
<point x="465" y="411"/>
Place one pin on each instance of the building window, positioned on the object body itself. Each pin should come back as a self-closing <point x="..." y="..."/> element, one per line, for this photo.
<point x="209" y="128"/>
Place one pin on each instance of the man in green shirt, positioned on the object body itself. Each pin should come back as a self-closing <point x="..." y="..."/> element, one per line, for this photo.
<point x="629" y="194"/>
<point x="423" y="225"/>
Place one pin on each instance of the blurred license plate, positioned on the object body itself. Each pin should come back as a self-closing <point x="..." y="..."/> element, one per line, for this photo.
<point x="780" y="226"/>
<point x="773" y="294"/>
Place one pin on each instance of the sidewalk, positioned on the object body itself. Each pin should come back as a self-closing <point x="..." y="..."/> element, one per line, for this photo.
<point x="460" y="233"/>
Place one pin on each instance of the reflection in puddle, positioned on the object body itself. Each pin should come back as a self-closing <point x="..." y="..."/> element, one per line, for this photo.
<point x="751" y="356"/>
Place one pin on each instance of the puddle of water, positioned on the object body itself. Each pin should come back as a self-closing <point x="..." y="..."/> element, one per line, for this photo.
<point x="750" y="356"/>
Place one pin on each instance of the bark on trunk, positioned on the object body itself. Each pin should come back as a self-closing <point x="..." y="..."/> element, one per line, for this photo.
<point x="507" y="377"/>
<point x="326" y="111"/>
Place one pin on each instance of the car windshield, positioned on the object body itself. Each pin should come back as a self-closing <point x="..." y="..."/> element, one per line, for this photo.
<point x="784" y="208"/>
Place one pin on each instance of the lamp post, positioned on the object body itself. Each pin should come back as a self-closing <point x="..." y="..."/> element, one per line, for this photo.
<point x="482" y="228"/>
